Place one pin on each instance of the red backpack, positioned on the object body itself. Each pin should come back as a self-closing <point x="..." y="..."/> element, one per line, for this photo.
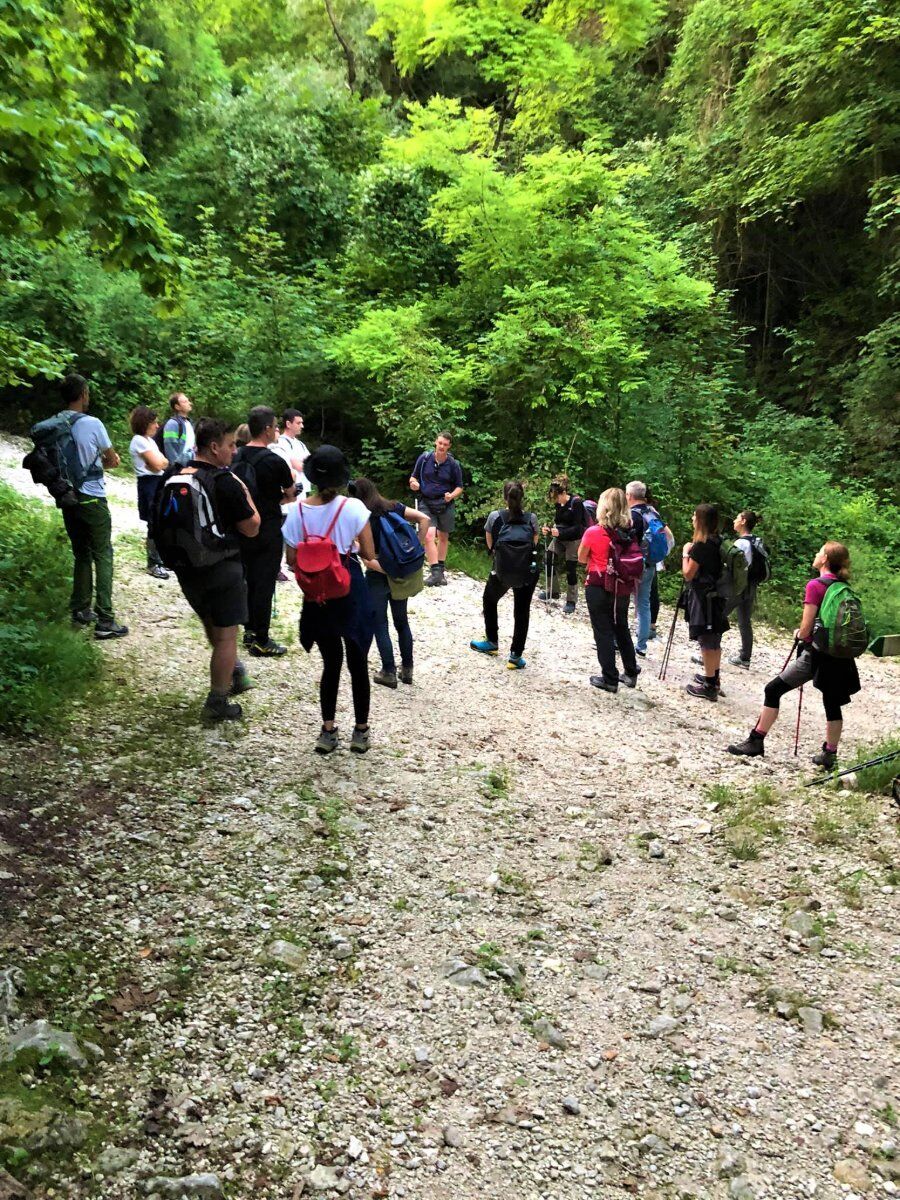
<point x="318" y="567"/>
<point x="625" y="564"/>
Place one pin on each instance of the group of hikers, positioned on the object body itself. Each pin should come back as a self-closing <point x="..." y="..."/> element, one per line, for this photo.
<point x="225" y="509"/>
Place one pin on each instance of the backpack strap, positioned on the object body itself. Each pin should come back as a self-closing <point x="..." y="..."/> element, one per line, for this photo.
<point x="334" y="519"/>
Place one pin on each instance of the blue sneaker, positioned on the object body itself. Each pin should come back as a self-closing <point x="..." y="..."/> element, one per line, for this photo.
<point x="484" y="647"/>
<point x="515" y="664"/>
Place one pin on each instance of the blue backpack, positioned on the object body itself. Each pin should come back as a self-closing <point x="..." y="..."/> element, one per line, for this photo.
<point x="400" y="552"/>
<point x="55" y="440"/>
<point x="654" y="543"/>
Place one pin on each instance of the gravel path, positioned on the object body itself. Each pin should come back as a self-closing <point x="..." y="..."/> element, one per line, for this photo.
<point x="539" y="942"/>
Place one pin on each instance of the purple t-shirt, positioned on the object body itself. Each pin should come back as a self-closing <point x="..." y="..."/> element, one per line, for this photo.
<point x="815" y="592"/>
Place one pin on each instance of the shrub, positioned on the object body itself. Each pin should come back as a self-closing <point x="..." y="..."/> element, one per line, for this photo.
<point x="44" y="662"/>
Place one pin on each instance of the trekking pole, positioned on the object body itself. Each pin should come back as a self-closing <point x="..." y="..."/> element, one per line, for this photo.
<point x="790" y="656"/>
<point x="799" y="711"/>
<point x="872" y="762"/>
<point x="664" y="665"/>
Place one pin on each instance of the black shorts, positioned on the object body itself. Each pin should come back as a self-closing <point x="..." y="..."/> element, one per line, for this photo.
<point x="216" y="594"/>
<point x="147" y="487"/>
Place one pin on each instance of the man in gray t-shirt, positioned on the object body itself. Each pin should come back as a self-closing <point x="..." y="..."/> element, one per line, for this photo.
<point x="88" y="523"/>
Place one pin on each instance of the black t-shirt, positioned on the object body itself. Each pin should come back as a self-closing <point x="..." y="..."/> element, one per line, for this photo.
<point x="375" y="524"/>
<point x="709" y="555"/>
<point x="273" y="475"/>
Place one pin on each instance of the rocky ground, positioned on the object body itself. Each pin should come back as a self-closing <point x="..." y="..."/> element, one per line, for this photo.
<point x="540" y="942"/>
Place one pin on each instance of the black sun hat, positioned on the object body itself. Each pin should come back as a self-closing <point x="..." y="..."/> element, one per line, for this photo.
<point x="327" y="467"/>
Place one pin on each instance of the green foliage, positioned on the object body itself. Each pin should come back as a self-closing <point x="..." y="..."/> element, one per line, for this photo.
<point x="44" y="663"/>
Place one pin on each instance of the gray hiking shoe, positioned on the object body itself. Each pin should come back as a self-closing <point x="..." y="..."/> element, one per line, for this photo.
<point x="436" y="578"/>
<point x="104" y="630"/>
<point x="406" y="674"/>
<point x="85" y="616"/>
<point x="327" y="741"/>
<point x="359" y="742"/>
<point x="737" y="661"/>
<point x="385" y="678"/>
<point x="629" y="681"/>
<point x="220" y="708"/>
<point x="601" y="685"/>
<point x="825" y="758"/>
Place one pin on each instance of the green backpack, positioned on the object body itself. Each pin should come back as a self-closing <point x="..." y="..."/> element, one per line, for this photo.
<point x="409" y="586"/>
<point x="840" y="626"/>
<point x="733" y="580"/>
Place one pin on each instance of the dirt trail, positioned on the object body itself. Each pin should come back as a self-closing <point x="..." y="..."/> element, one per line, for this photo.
<point x="533" y="953"/>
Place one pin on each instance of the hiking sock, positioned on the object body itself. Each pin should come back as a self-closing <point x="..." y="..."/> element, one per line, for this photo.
<point x="757" y="733"/>
<point x="828" y="746"/>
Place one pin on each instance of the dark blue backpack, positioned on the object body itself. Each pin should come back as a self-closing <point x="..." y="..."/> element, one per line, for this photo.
<point x="400" y="551"/>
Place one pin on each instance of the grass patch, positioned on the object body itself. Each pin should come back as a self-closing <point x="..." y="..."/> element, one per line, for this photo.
<point x="843" y="818"/>
<point x="45" y="664"/>
<point x="878" y="780"/>
<point x="748" y="818"/>
<point x="471" y="558"/>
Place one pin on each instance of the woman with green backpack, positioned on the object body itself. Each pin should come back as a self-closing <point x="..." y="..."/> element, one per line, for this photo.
<point x="393" y="593"/>
<point x="824" y="655"/>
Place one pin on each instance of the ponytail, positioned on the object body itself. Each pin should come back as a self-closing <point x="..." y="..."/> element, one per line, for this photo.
<point x="513" y="495"/>
<point x="838" y="558"/>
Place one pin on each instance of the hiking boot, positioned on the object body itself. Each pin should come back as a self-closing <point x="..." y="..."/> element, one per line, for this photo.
<point x="86" y="616"/>
<point x="484" y="647"/>
<point x="701" y="679"/>
<point x="640" y="653"/>
<point x="104" y="630"/>
<point x="406" y="674"/>
<point x="327" y="741"/>
<point x="240" y="681"/>
<point x="753" y="747"/>
<point x="825" y="758"/>
<point x="157" y="572"/>
<point x="515" y="662"/>
<point x="218" y="708"/>
<point x="653" y="635"/>
<point x="570" y="607"/>
<point x="629" y="681"/>
<point x="385" y="678"/>
<point x="359" y="742"/>
<point x="546" y="596"/>
<point x="600" y="683"/>
<point x="737" y="661"/>
<point x="267" y="649"/>
<point x="436" y="578"/>
<point x="703" y="691"/>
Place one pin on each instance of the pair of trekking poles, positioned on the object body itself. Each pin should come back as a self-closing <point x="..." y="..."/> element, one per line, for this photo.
<point x="664" y="665"/>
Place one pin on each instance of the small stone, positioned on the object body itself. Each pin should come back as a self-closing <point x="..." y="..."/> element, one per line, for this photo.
<point x="663" y="1025"/>
<point x="342" y="950"/>
<point x="651" y="1143"/>
<point x="853" y="1173"/>
<point x="547" y="1032"/>
<point x="115" y="1159"/>
<point x="599" y="972"/>
<point x="459" y="973"/>
<point x="286" y="954"/>
<point x="197" y="1187"/>
<point x="729" y="1163"/>
<point x="801" y="922"/>
<point x="811" y="1019"/>
<point x="571" y="1106"/>
<point x="741" y="1188"/>
<point x="323" y="1179"/>
<point x="453" y="1136"/>
<point x="354" y="1148"/>
<point x="11" y="1189"/>
<point x="656" y="849"/>
<point x="422" y="1055"/>
<point x="398" y="1139"/>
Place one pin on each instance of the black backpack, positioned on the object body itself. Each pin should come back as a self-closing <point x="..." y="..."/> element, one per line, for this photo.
<point x="513" y="549"/>
<point x="160" y="438"/>
<point x="244" y="466"/>
<point x="760" y="569"/>
<point x="184" y="524"/>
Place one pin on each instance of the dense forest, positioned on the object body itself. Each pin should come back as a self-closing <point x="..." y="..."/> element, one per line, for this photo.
<point x="626" y="237"/>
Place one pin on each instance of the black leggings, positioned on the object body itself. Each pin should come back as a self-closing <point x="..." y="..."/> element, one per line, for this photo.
<point x="493" y="591"/>
<point x="332" y="648"/>
<point x="795" y="675"/>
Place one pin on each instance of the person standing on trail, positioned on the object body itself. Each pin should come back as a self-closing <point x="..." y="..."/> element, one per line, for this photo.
<point x="341" y="623"/>
<point x="149" y="466"/>
<point x="704" y="607"/>
<point x="200" y="513"/>
<point x="511" y="535"/>
<point x="656" y="539"/>
<point x="836" y="678"/>
<point x="270" y="482"/>
<point x="608" y="605"/>
<point x="178" y="437"/>
<point x="569" y="524"/>
<point x="88" y="523"/>
<point x="291" y="448"/>
<point x="749" y="545"/>
<point x="437" y="479"/>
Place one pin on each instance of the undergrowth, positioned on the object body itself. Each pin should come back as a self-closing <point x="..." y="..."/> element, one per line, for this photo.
<point x="45" y="664"/>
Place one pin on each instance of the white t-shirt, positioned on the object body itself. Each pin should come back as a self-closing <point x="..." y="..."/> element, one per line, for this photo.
<point x="91" y="438"/>
<point x="746" y="548"/>
<point x="291" y="447"/>
<point x="352" y="521"/>
<point x="136" y="447"/>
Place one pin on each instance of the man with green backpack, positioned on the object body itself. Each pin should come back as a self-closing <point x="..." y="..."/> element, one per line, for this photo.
<point x="832" y="635"/>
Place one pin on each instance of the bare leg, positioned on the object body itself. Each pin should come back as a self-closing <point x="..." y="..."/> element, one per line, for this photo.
<point x="767" y="718"/>
<point x="711" y="661"/>
<point x="443" y="540"/>
<point x="224" y="655"/>
<point x="833" y="732"/>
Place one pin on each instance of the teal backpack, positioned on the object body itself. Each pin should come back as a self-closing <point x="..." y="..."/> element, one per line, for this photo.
<point x="841" y="629"/>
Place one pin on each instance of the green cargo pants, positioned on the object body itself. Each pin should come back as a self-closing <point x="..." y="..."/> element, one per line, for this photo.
<point x="89" y="527"/>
